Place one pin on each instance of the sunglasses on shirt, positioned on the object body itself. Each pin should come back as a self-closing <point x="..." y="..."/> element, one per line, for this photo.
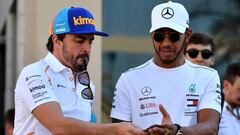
<point x="159" y="37"/>
<point x="206" y="54"/>
<point x="84" y="79"/>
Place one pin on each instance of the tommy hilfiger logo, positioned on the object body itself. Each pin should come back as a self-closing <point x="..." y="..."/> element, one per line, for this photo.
<point x="80" y="20"/>
<point x="192" y="102"/>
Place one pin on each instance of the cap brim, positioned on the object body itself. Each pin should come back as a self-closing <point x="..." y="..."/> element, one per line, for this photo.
<point x="89" y="32"/>
<point x="173" y="26"/>
<point x="101" y="34"/>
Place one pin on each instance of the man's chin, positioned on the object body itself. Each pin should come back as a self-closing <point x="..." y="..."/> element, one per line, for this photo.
<point x="79" y="69"/>
<point x="167" y="60"/>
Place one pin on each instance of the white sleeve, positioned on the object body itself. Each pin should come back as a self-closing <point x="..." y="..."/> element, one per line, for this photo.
<point x="34" y="89"/>
<point x="212" y="95"/>
<point x="121" y="106"/>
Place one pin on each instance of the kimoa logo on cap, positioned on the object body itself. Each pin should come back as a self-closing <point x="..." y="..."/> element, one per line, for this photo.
<point x="81" y="20"/>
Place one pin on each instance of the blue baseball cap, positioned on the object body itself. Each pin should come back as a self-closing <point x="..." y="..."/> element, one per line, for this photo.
<point x="74" y="20"/>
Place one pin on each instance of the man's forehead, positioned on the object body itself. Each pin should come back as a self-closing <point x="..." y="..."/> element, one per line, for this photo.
<point x="199" y="46"/>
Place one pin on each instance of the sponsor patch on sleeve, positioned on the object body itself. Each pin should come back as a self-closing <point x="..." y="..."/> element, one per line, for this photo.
<point x="38" y="91"/>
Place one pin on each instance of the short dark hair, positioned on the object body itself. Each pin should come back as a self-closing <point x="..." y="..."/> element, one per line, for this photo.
<point x="10" y="116"/>
<point x="49" y="44"/>
<point x="232" y="72"/>
<point x="201" y="38"/>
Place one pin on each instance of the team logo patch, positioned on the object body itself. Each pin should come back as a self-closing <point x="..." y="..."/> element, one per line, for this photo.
<point x="146" y="91"/>
<point x="114" y="96"/>
<point x="82" y="20"/>
<point x="147" y="106"/>
<point x="147" y="114"/>
<point x="192" y="102"/>
<point x="32" y="89"/>
<point x="60" y="86"/>
<point x="167" y="13"/>
<point x="192" y="88"/>
<point x="218" y="99"/>
<point x="33" y="76"/>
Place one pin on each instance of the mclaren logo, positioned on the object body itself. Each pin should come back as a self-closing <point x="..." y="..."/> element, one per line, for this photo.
<point x="146" y="91"/>
<point x="167" y="13"/>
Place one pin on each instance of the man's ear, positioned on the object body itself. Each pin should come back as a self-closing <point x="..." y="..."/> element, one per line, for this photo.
<point x="56" y="41"/>
<point x="226" y="86"/>
<point x="152" y="34"/>
<point x="213" y="60"/>
<point x="188" y="34"/>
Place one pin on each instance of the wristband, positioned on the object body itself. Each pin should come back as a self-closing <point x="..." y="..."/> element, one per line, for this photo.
<point x="179" y="129"/>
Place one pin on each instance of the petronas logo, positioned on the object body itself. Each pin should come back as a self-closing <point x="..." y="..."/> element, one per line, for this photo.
<point x="192" y="88"/>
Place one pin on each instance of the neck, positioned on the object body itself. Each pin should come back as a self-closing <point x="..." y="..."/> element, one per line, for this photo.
<point x="231" y="104"/>
<point x="61" y="59"/>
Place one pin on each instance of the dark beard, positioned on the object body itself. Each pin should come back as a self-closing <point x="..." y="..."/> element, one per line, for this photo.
<point x="82" y="67"/>
<point x="168" y="61"/>
<point x="73" y="61"/>
<point x="176" y="57"/>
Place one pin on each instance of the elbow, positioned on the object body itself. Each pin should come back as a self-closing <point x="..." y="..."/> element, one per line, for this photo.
<point x="58" y="131"/>
<point x="59" y="128"/>
<point x="212" y="131"/>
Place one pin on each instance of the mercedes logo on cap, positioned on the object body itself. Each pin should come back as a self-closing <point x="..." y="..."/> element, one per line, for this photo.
<point x="167" y="13"/>
<point x="146" y="91"/>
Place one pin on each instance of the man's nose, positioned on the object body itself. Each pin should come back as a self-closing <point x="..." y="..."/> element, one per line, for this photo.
<point x="86" y="46"/>
<point x="199" y="56"/>
<point x="166" y="41"/>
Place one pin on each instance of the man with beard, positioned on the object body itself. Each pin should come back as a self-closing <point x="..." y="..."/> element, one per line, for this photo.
<point x="169" y="95"/>
<point x="55" y="94"/>
<point x="230" y="120"/>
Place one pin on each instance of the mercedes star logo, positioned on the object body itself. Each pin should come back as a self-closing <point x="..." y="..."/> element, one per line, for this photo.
<point x="146" y="91"/>
<point x="167" y="13"/>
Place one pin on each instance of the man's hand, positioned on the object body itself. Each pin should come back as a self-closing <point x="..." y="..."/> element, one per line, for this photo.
<point x="166" y="119"/>
<point x="125" y="128"/>
<point x="166" y="128"/>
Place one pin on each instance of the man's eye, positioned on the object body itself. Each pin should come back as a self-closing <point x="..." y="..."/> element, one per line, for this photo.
<point x="91" y="40"/>
<point x="80" y="41"/>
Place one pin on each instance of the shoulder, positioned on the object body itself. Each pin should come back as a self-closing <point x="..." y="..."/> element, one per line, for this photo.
<point x="32" y="72"/>
<point x="36" y="67"/>
<point x="135" y="72"/>
<point x="139" y="68"/>
<point x="200" y="68"/>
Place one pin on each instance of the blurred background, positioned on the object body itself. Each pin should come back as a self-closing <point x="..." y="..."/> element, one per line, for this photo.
<point x="24" y="31"/>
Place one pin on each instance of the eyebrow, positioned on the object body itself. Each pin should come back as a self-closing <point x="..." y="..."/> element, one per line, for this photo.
<point x="84" y="38"/>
